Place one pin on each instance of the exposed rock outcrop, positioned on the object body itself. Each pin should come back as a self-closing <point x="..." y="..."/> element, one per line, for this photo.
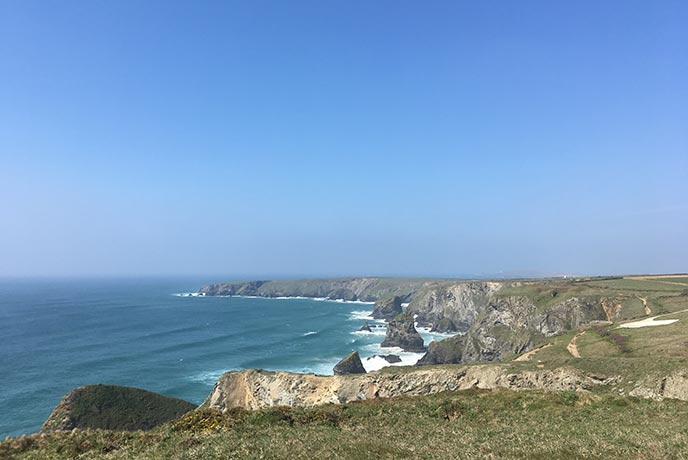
<point x="459" y="302"/>
<point x="447" y="351"/>
<point x="510" y="326"/>
<point x="350" y="364"/>
<point x="253" y="389"/>
<point x="365" y="328"/>
<point x="114" y="407"/>
<point x="387" y="308"/>
<point x="674" y="386"/>
<point x="444" y="325"/>
<point x="401" y="332"/>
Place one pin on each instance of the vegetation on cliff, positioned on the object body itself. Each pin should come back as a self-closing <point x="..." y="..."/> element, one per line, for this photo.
<point x="114" y="407"/>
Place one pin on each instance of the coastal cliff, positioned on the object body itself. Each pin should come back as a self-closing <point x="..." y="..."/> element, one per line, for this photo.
<point x="255" y="389"/>
<point x="493" y="319"/>
<point x="458" y="302"/>
<point x="511" y="325"/>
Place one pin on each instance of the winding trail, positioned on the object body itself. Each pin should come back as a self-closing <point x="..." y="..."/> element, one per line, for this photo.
<point x="572" y="347"/>
<point x="527" y="356"/>
<point x="648" y="310"/>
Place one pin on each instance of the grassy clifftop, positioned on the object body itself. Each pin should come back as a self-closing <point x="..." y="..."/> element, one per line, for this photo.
<point x="469" y="424"/>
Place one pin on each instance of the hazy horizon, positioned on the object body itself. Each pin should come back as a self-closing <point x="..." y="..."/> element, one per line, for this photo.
<point x="343" y="139"/>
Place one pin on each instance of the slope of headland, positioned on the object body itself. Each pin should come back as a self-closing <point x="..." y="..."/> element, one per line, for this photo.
<point x="114" y="407"/>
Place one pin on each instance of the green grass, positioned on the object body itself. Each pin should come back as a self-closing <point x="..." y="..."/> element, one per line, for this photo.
<point x="636" y="285"/>
<point x="469" y="424"/>
<point x="681" y="280"/>
<point x="116" y="407"/>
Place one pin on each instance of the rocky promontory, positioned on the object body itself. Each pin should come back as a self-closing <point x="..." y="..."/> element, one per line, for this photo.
<point x="351" y="289"/>
<point x="113" y="407"/>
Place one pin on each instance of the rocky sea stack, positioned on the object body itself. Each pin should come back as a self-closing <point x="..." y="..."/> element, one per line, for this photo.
<point x="350" y="364"/>
<point x="387" y="308"/>
<point x="402" y="333"/>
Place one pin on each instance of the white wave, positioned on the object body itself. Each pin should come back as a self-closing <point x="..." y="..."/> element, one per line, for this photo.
<point x="187" y="294"/>
<point x="374" y="363"/>
<point x="376" y="331"/>
<point x="298" y="297"/>
<point x="320" y="366"/>
<point x="310" y="333"/>
<point x="433" y="336"/>
<point x="209" y="377"/>
<point x="361" y="315"/>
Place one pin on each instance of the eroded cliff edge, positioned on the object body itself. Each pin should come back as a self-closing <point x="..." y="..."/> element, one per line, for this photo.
<point x="255" y="389"/>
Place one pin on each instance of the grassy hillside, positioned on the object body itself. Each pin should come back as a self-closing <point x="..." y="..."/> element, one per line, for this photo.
<point x="470" y="424"/>
<point x="661" y="295"/>
<point x="114" y="407"/>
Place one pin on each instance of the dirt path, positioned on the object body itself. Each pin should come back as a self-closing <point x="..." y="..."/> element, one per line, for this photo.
<point x="527" y="356"/>
<point x="572" y="347"/>
<point x="648" y="310"/>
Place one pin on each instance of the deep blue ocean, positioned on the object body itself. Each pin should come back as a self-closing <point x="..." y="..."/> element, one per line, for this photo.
<point x="58" y="334"/>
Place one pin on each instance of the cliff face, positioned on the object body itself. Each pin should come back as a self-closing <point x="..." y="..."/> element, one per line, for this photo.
<point x="460" y="303"/>
<point x="387" y="308"/>
<point x="510" y="326"/>
<point x="253" y="389"/>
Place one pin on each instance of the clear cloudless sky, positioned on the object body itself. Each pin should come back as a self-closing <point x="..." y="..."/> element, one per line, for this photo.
<point x="303" y="138"/>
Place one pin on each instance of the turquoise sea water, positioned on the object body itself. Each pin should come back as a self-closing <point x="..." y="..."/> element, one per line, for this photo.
<point x="56" y="335"/>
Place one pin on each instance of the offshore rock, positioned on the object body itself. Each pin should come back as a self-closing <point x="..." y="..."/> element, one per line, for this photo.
<point x="365" y="328"/>
<point x="402" y="333"/>
<point x="350" y="364"/>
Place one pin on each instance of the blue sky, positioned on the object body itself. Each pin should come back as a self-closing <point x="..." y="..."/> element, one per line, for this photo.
<point x="343" y="138"/>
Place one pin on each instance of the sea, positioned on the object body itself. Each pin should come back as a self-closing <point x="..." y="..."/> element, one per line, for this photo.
<point x="153" y="333"/>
